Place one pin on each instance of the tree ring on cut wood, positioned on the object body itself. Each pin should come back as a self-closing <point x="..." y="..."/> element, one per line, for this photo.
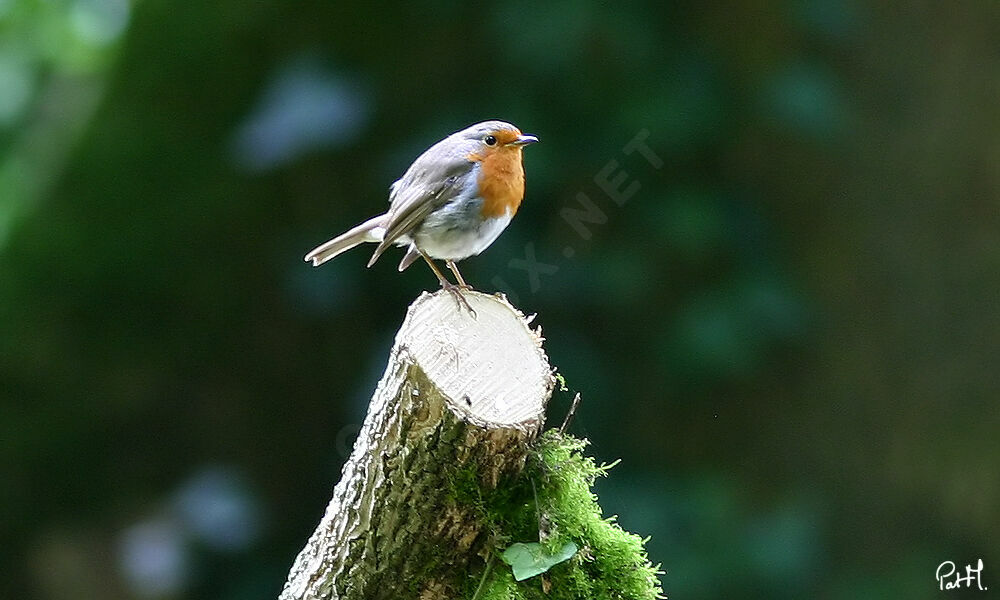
<point x="490" y="367"/>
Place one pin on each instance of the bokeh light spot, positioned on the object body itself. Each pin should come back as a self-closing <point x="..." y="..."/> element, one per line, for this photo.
<point x="153" y="559"/>
<point x="100" y="22"/>
<point x="16" y="87"/>
<point x="306" y="107"/>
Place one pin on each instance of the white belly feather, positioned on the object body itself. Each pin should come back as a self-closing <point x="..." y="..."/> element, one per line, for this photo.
<point x="446" y="241"/>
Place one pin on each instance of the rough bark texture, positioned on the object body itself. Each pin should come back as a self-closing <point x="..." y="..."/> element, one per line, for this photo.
<point x="461" y="398"/>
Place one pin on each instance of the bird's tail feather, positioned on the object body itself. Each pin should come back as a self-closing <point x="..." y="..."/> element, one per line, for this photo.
<point x="371" y="230"/>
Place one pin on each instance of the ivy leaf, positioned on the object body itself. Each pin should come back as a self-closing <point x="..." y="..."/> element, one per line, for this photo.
<point x="528" y="560"/>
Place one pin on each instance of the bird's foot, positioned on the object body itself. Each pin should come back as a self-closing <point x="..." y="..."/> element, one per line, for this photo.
<point x="456" y="293"/>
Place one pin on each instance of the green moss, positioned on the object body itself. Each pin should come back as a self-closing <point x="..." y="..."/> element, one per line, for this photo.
<point x="551" y="501"/>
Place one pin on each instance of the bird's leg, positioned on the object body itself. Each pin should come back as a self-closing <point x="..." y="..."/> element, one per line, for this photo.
<point x="430" y="263"/>
<point x="458" y="276"/>
<point x="454" y="290"/>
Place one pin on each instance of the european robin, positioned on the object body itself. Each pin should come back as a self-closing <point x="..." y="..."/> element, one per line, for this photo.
<point x="452" y="203"/>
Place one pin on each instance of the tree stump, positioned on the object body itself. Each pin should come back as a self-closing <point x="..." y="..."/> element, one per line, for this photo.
<point x="462" y="395"/>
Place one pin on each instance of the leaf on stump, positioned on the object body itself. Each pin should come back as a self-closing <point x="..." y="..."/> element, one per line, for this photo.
<point x="528" y="560"/>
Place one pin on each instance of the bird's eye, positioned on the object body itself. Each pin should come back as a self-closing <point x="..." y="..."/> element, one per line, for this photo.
<point x="490" y="140"/>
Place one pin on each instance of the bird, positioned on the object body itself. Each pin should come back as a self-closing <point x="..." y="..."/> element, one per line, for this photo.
<point x="453" y="202"/>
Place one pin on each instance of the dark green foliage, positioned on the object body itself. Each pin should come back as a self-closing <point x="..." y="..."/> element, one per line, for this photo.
<point x="789" y="333"/>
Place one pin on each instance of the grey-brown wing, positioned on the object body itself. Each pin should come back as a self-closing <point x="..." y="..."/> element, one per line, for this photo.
<point x="409" y="211"/>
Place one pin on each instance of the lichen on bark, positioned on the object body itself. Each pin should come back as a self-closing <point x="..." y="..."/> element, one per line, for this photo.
<point x="419" y="536"/>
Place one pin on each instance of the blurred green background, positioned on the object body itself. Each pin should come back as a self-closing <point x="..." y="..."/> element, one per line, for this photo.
<point x="789" y="333"/>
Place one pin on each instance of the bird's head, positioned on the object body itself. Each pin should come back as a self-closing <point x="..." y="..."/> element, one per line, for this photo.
<point x="496" y="137"/>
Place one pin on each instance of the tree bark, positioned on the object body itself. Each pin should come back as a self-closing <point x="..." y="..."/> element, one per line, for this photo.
<point x="462" y="397"/>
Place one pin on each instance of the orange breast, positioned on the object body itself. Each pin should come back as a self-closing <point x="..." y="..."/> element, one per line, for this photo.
<point x="501" y="181"/>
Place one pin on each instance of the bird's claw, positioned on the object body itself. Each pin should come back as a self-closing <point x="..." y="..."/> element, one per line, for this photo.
<point x="456" y="293"/>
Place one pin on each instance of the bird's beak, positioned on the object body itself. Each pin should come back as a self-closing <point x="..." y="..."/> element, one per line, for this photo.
<point x="523" y="140"/>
